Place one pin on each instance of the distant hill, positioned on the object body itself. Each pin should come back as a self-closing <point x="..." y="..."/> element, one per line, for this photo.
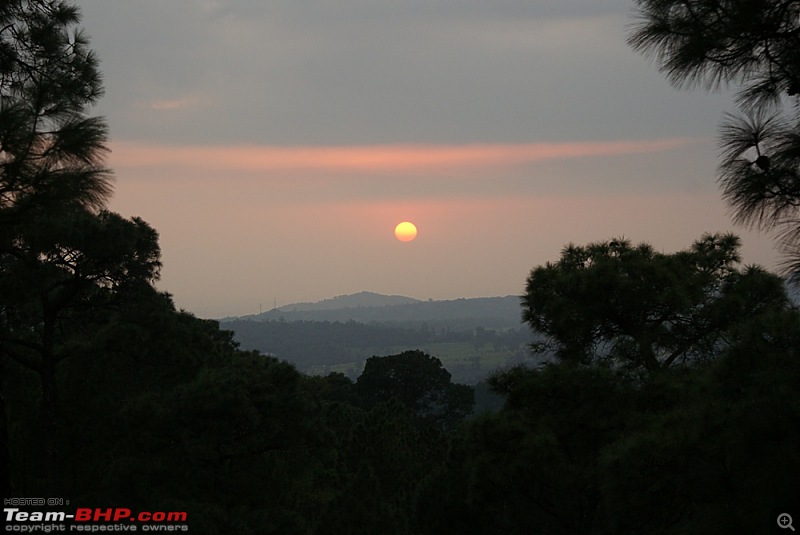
<point x="360" y="299"/>
<point x="367" y="307"/>
<point x="472" y="337"/>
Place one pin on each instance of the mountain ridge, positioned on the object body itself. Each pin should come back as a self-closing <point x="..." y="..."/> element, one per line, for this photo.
<point x="356" y="300"/>
<point x="370" y="307"/>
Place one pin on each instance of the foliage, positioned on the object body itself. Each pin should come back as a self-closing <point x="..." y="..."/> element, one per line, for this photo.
<point x="69" y="265"/>
<point x="753" y="44"/>
<point x="722" y="454"/>
<point x="560" y="420"/>
<point x="420" y="383"/>
<point x="238" y="433"/>
<point x="642" y="310"/>
<point x="708" y="448"/>
<point x="381" y="458"/>
<point x="67" y="270"/>
<point x="62" y="258"/>
<point x="50" y="150"/>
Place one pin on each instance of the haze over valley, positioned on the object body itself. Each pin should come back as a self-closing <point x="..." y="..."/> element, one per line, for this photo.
<point x="472" y="337"/>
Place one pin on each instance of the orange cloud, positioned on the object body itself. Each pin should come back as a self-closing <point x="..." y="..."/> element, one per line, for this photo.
<point x="374" y="158"/>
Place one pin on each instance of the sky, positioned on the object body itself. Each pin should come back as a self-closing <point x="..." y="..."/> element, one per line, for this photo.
<point x="275" y="144"/>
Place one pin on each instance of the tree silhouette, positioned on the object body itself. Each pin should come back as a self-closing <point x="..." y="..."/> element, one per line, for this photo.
<point x="61" y="256"/>
<point x="72" y="269"/>
<point x="51" y="151"/>
<point x="642" y="310"/>
<point x="754" y="44"/>
<point x="420" y="383"/>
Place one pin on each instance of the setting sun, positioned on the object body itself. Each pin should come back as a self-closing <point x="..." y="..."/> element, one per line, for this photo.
<point x="405" y="231"/>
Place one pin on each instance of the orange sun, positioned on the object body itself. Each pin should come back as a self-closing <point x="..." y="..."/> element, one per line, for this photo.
<point x="405" y="231"/>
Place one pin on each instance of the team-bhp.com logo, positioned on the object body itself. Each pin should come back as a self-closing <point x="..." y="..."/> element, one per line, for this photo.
<point x="94" y="520"/>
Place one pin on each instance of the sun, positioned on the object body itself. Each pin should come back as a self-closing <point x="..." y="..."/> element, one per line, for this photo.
<point x="405" y="231"/>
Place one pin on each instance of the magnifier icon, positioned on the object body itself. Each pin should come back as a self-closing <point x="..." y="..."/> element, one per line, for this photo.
<point x="785" y="521"/>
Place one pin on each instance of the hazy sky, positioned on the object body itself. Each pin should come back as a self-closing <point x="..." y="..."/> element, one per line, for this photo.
<point x="276" y="144"/>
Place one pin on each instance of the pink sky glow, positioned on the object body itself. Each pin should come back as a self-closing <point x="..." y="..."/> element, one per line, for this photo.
<point x="374" y="158"/>
<point x="238" y="244"/>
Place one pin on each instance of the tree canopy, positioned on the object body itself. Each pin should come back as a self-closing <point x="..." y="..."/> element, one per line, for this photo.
<point x="641" y="309"/>
<point x="420" y="383"/>
<point x="62" y="256"/>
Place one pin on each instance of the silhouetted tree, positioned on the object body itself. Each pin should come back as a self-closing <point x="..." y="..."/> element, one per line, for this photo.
<point x="644" y="310"/>
<point x="714" y="451"/>
<point x="381" y="458"/>
<point x="236" y="444"/>
<point x="420" y="383"/>
<point x="712" y="447"/>
<point x="51" y="151"/>
<point x="754" y="44"/>
<point x="71" y="268"/>
<point x="60" y="255"/>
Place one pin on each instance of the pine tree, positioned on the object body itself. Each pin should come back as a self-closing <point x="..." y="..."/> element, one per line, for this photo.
<point x="63" y="258"/>
<point x="51" y="151"/>
<point x="753" y="45"/>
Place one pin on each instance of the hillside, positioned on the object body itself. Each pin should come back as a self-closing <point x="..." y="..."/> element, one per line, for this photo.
<point x="366" y="307"/>
<point x="356" y="300"/>
<point x="320" y="347"/>
<point x="472" y="337"/>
